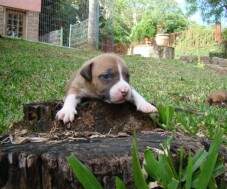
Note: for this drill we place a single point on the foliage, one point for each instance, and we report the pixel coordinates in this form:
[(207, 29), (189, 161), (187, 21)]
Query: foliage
[(119, 183), (195, 39), (136, 19), (211, 10), (175, 22), (88, 180), (116, 29), (83, 174), (224, 34), (138, 176), (121, 32), (168, 17), (200, 171), (166, 114), (145, 28)]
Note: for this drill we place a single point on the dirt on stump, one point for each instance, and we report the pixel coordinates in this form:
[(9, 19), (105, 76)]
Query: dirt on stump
[(94, 118)]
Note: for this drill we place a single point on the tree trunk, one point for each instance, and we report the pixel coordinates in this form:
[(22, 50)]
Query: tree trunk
[(44, 165), (93, 24)]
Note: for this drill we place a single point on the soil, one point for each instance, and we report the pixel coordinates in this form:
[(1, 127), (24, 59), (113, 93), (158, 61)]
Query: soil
[(94, 118)]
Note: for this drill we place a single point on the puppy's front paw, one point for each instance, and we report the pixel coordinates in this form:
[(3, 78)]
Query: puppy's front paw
[(146, 107), (66, 114)]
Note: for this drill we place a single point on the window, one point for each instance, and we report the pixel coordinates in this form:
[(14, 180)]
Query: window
[(14, 23)]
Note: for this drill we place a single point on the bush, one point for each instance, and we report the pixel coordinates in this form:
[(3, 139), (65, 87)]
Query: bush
[(121, 32), (224, 34), (196, 40), (175, 23), (145, 28)]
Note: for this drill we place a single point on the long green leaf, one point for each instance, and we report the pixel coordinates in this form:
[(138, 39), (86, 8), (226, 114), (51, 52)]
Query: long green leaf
[(219, 169), (188, 173), (169, 158), (139, 180), (180, 175), (119, 183), (166, 172), (151, 164), (165, 115), (212, 183), (208, 166), (173, 184), (83, 174), (198, 160)]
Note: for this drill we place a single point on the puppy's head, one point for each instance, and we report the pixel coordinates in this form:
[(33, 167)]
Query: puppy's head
[(108, 77)]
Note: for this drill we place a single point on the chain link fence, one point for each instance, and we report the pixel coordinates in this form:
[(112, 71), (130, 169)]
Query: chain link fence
[(58, 22), (63, 22), (78, 34)]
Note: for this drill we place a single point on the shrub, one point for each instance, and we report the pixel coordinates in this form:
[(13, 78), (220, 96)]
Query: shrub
[(175, 22), (224, 34), (145, 28), (196, 40), (121, 32)]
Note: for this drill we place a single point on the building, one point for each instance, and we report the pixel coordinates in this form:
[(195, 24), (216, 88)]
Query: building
[(20, 18)]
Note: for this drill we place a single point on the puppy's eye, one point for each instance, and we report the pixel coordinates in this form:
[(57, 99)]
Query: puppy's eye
[(126, 75), (107, 76)]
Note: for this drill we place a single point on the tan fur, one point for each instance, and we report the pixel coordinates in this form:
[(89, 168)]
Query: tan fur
[(217, 97), (101, 63)]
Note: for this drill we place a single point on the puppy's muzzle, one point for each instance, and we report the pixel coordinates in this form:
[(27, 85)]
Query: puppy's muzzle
[(124, 92)]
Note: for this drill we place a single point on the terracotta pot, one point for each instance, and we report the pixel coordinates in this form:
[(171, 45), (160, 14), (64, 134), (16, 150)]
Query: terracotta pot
[(162, 39)]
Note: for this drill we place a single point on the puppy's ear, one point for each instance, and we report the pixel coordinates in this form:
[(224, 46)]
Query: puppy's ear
[(86, 72)]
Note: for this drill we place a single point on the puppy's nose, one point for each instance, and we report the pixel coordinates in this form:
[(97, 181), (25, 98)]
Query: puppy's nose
[(124, 92)]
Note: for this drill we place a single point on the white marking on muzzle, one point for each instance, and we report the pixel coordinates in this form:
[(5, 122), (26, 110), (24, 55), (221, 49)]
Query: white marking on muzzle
[(120, 87)]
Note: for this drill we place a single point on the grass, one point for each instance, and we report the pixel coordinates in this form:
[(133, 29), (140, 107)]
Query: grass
[(36, 72)]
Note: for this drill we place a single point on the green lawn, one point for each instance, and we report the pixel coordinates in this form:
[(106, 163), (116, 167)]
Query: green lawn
[(36, 72)]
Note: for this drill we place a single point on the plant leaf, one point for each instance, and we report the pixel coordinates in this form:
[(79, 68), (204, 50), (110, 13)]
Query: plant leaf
[(218, 170), (180, 175), (173, 184), (198, 159), (188, 173), (151, 164), (212, 183), (139, 180), (208, 166), (119, 183), (83, 174)]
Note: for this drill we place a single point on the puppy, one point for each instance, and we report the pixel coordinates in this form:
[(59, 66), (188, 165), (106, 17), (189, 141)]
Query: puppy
[(104, 77)]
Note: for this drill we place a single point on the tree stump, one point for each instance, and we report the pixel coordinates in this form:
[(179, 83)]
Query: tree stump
[(94, 137)]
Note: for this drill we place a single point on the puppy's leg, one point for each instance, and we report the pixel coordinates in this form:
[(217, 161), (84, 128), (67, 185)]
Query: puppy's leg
[(69, 108), (141, 104)]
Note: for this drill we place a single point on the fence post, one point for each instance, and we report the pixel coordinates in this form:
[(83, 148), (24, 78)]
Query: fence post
[(70, 34), (93, 24), (61, 38)]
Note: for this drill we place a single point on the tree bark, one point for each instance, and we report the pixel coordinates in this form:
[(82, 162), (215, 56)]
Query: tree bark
[(44, 166)]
